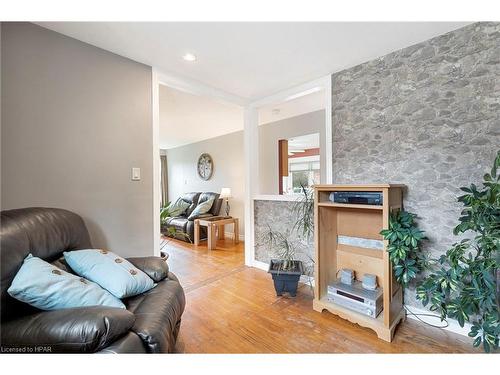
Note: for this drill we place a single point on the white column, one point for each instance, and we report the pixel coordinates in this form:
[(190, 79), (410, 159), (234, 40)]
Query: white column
[(329, 130), (155, 95), (251, 141)]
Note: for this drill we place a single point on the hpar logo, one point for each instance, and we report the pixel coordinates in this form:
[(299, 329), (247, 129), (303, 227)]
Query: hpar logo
[(43, 349)]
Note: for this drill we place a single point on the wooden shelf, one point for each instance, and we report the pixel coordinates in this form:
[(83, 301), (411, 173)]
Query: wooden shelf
[(346, 205), (374, 253), (333, 220), (376, 324)]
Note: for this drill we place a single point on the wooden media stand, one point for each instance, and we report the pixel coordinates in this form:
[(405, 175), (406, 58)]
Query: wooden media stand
[(359, 221)]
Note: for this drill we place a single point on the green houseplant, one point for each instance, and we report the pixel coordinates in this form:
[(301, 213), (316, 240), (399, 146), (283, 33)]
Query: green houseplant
[(463, 284), (170, 232), (404, 248)]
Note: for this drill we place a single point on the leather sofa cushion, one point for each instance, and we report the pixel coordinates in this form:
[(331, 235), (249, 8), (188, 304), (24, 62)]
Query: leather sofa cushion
[(155, 267), (157, 314), (179, 223), (82, 329), (128, 344)]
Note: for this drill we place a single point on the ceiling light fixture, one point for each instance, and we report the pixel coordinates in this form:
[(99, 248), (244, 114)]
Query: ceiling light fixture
[(189, 57)]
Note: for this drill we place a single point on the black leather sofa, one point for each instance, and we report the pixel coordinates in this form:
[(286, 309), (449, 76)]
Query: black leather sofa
[(183, 225), (150, 324)]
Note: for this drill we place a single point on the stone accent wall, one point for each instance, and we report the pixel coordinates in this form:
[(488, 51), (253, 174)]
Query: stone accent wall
[(427, 116), (280, 217)]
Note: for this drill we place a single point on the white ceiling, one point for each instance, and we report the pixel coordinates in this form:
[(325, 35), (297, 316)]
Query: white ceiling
[(252, 60), (303, 142), (186, 118), (291, 108)]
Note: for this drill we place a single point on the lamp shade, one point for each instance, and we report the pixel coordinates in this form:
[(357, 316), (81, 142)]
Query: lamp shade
[(225, 193)]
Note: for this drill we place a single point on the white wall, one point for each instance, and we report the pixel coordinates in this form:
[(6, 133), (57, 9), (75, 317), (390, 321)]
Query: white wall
[(228, 155), (269, 134), (75, 120)]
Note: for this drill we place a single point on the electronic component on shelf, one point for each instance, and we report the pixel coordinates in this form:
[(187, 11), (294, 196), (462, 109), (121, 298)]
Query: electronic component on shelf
[(346, 276), (369, 281), (357, 197), (354, 297)]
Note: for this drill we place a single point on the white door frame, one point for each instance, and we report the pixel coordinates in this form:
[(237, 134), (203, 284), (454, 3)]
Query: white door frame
[(252, 150), (188, 86), (251, 140)]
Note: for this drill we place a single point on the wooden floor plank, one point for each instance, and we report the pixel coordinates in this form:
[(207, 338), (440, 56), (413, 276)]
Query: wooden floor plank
[(231, 308)]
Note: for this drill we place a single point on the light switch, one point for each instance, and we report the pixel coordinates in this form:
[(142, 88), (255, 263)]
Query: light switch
[(136, 174)]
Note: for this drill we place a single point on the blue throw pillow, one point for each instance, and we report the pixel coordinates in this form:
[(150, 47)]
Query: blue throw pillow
[(202, 208), (115, 274), (47, 287), (177, 208)]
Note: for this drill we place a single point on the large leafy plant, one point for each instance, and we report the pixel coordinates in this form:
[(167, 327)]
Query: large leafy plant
[(170, 232), (404, 247), (303, 211), (464, 281)]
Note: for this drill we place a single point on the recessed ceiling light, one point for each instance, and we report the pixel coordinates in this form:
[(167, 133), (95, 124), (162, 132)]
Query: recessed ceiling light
[(276, 111), (189, 57)]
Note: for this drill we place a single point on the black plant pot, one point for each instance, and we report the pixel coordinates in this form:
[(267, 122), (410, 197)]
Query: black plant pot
[(285, 281)]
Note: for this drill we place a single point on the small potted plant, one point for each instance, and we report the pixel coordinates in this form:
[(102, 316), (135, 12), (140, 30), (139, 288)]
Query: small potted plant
[(285, 269)]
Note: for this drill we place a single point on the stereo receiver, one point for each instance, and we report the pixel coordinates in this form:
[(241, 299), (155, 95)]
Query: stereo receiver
[(356, 298)]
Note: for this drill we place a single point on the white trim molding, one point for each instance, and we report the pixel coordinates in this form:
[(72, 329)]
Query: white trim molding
[(194, 87), (251, 134), (453, 325), (155, 103), (251, 142)]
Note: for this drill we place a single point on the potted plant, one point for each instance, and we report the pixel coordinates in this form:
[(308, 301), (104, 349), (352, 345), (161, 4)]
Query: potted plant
[(285, 269)]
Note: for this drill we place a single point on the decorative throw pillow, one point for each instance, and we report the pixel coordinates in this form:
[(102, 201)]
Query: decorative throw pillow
[(47, 287), (115, 274), (178, 207), (202, 208)]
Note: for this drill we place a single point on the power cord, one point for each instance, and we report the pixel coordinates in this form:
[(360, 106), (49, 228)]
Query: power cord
[(427, 315)]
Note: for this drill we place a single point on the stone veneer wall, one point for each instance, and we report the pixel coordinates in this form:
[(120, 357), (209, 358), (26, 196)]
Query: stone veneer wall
[(280, 217), (427, 116)]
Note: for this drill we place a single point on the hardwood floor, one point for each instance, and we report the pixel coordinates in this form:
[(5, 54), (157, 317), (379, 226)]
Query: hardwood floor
[(231, 308)]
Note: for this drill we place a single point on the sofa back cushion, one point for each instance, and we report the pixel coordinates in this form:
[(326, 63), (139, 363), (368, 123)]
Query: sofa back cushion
[(203, 207), (191, 198), (217, 202), (178, 207), (44, 232)]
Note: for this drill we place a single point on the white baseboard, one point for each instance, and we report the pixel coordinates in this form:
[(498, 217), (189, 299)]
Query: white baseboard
[(453, 325), (231, 234)]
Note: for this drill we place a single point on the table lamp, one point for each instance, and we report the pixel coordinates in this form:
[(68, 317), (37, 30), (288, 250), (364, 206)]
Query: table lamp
[(225, 193)]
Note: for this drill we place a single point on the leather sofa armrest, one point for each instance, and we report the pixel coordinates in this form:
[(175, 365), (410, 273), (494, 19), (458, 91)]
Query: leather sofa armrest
[(75, 330), (201, 216), (154, 267)]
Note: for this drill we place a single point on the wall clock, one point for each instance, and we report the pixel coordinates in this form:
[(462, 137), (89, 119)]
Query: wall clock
[(205, 166)]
